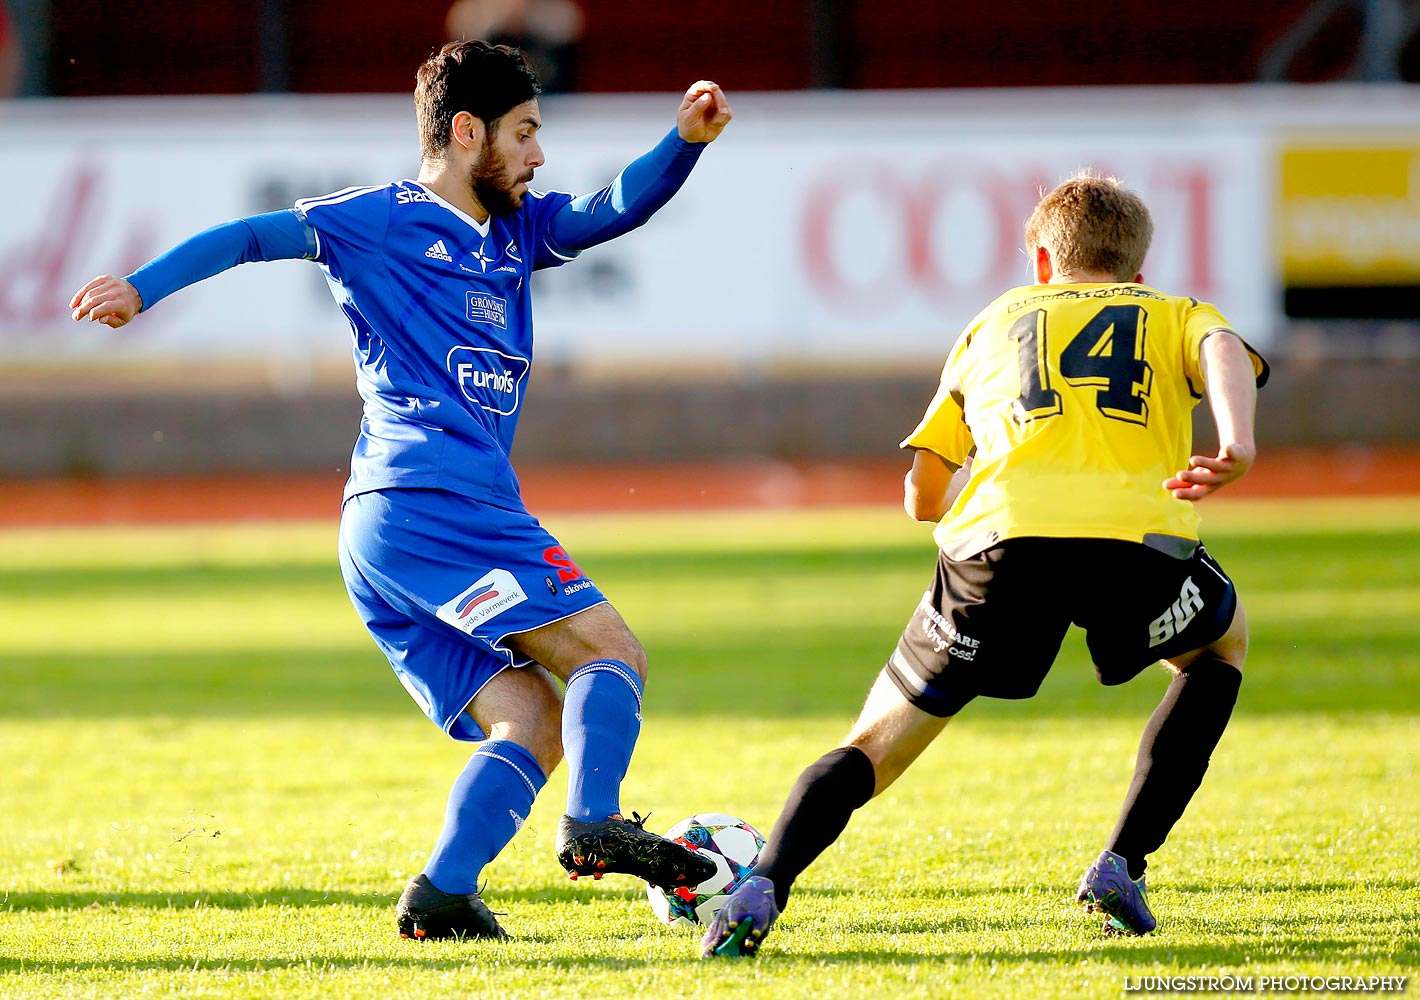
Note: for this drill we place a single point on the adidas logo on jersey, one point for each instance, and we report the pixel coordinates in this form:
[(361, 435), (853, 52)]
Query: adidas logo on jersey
[(439, 252)]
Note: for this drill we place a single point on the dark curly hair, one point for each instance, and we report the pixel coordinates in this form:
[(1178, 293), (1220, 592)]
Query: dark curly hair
[(485, 80)]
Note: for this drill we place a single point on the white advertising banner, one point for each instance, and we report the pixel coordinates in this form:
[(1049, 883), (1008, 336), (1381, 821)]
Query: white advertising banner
[(860, 229)]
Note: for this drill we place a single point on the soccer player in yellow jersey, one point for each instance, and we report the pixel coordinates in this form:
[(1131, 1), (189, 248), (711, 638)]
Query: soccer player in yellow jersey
[(1056, 458)]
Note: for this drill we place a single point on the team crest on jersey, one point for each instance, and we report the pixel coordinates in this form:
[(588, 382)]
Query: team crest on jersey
[(490, 378), (494, 593), (482, 257)]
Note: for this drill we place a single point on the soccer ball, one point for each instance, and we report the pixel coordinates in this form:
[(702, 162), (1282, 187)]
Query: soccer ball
[(732, 844)]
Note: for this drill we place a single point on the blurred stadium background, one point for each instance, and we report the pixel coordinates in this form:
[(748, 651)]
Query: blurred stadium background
[(785, 317)]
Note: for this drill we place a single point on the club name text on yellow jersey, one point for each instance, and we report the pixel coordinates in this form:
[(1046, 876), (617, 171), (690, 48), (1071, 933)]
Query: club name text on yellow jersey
[(1076, 401)]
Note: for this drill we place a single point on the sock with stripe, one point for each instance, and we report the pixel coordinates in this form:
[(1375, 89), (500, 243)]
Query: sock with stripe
[(487, 806), (601, 719)]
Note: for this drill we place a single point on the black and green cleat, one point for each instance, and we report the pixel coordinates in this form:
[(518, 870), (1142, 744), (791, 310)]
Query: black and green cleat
[(625, 846)]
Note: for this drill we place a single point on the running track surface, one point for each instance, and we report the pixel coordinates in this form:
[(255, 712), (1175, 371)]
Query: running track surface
[(585, 489)]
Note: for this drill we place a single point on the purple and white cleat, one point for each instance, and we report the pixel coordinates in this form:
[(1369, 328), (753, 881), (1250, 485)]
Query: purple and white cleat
[(1108, 888), (742, 922)]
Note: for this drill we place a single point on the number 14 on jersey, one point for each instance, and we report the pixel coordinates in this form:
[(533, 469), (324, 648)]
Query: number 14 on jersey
[(1107, 352)]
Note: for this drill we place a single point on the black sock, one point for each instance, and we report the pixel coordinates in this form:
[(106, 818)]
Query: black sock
[(1173, 757), (816, 812)]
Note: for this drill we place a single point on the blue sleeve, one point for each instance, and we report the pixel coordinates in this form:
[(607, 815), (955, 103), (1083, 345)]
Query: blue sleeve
[(646, 184), (274, 236)]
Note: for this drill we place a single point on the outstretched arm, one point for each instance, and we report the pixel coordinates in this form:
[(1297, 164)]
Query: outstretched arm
[(274, 236), (649, 181), (1232, 396)]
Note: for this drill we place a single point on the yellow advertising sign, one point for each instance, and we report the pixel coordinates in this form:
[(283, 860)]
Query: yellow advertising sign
[(1350, 215)]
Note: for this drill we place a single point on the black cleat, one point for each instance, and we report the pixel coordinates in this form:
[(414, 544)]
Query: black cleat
[(617, 844), (426, 913)]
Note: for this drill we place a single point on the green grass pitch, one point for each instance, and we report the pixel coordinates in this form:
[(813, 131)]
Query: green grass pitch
[(212, 785)]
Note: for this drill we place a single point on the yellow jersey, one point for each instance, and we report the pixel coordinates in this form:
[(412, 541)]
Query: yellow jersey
[(1076, 401)]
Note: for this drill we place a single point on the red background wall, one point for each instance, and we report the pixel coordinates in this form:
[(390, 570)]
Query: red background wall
[(175, 46)]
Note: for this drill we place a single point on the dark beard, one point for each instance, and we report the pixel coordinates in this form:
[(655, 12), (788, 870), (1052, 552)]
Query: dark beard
[(488, 180)]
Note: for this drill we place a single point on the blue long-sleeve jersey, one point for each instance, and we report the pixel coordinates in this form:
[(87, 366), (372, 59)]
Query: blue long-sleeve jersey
[(438, 304)]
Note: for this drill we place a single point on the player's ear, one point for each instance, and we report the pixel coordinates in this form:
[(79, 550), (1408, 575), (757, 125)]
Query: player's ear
[(1139, 278), (1044, 268), (466, 131)]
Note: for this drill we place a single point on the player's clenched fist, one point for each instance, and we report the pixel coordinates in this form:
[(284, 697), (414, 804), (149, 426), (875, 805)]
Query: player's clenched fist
[(704, 113), (107, 300)]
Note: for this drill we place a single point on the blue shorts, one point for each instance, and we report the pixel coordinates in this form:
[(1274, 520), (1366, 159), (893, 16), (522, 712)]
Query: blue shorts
[(441, 579)]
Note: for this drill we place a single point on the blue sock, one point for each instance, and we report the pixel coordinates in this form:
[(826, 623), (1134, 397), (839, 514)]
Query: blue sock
[(601, 718), (487, 806)]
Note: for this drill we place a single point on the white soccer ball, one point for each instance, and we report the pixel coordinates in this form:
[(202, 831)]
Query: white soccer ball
[(732, 844)]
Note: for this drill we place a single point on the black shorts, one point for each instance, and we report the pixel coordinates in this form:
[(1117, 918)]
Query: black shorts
[(992, 624)]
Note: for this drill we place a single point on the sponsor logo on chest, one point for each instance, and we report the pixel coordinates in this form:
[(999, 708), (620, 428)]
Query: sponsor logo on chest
[(490, 378), (484, 307)]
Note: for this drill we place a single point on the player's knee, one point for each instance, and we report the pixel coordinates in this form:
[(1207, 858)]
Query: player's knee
[(624, 649), (633, 654), (1231, 651), (613, 640), (1230, 648)]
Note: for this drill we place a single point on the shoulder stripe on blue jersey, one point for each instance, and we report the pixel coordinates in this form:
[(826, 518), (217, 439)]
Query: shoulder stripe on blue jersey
[(344, 194)]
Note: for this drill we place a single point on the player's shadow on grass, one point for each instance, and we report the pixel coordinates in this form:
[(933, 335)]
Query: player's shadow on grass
[(1289, 888), (1133, 954), (499, 899), (419, 957), (158, 900), (622, 891)]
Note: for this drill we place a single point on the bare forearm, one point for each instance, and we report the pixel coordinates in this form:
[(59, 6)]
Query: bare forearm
[(1232, 396), (931, 486), (1232, 389)]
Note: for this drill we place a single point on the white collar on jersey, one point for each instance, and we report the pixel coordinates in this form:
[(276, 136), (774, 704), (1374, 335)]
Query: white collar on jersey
[(482, 228)]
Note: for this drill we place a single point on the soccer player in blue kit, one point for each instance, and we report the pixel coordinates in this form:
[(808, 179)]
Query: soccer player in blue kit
[(454, 579)]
